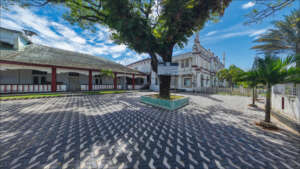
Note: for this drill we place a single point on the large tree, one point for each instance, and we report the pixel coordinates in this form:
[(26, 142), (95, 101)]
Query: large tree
[(232, 75), (146, 26), (283, 38)]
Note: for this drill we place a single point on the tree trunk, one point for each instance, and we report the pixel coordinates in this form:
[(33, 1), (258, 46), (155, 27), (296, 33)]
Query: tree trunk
[(164, 86), (297, 54), (231, 88), (253, 95), (268, 104)]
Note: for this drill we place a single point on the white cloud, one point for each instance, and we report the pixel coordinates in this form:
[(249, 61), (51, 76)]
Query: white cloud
[(68, 33), (235, 34), (132, 57), (10, 24), (248, 5), (211, 33), (25, 18), (115, 55), (118, 48), (258, 32), (60, 34)]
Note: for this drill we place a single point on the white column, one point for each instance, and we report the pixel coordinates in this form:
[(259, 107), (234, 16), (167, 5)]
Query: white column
[(179, 81)]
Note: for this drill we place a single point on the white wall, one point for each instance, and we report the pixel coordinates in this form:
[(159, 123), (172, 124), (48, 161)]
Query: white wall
[(291, 103), (143, 66)]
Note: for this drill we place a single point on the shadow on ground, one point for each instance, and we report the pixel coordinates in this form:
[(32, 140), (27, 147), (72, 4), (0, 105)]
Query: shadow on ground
[(118, 131)]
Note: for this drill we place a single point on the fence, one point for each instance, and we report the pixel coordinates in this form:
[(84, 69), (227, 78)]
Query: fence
[(108, 86), (286, 100), (61, 88), (25, 88), (229, 91)]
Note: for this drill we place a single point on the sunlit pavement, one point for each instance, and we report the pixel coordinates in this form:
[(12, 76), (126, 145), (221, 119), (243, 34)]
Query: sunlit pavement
[(117, 131)]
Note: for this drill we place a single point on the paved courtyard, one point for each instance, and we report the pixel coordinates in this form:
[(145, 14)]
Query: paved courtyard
[(117, 131)]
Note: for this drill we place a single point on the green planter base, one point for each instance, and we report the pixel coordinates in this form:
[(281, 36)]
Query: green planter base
[(165, 104)]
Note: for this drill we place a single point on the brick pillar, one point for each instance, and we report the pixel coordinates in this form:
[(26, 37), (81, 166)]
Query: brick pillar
[(90, 80), (53, 79), (133, 82), (115, 80)]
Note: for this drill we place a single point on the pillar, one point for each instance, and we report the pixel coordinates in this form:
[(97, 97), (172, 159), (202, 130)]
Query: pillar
[(133, 81), (115, 80), (90, 80), (53, 79)]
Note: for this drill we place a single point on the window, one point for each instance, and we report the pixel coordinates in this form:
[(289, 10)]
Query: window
[(35, 80), (182, 64), (155, 81), (186, 63), (97, 81), (73, 74), (202, 80), (37, 72), (187, 82), (6, 45), (43, 80)]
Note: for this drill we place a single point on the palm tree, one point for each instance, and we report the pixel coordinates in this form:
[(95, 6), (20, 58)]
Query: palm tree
[(107, 73), (284, 38), (252, 80), (273, 70)]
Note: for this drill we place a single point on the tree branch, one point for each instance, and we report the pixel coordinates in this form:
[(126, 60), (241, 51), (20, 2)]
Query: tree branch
[(268, 8)]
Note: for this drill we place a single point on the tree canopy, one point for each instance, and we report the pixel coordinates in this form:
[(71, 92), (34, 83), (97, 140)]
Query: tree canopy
[(231, 75), (146, 26), (283, 38)]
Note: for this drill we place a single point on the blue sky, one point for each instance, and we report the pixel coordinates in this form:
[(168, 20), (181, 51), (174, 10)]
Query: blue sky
[(229, 35)]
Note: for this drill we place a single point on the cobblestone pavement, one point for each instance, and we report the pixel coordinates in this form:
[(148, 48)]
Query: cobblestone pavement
[(117, 131)]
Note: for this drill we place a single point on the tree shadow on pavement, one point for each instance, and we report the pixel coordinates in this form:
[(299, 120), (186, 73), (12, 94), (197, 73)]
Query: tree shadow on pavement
[(119, 131)]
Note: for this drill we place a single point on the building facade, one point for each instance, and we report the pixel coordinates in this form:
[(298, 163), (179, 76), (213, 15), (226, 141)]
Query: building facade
[(196, 70), (28, 67), (143, 66)]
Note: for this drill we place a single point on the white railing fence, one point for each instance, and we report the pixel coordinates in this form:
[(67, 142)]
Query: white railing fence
[(99, 87), (61, 88), (36, 88), (229, 91), (138, 86), (24, 88)]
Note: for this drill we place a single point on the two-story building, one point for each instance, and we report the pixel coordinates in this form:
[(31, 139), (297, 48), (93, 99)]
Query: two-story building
[(196, 70), (144, 66)]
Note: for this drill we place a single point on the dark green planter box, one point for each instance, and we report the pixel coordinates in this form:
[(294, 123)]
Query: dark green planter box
[(165, 104)]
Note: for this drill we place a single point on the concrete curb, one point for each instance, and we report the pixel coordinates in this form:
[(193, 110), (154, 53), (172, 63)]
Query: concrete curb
[(63, 95)]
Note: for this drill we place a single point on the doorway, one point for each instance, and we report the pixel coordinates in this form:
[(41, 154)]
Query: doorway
[(74, 83)]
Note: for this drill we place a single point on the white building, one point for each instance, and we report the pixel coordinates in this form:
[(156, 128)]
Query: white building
[(196, 70), (144, 66)]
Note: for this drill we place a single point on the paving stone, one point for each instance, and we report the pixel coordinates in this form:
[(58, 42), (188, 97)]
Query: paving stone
[(117, 131)]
